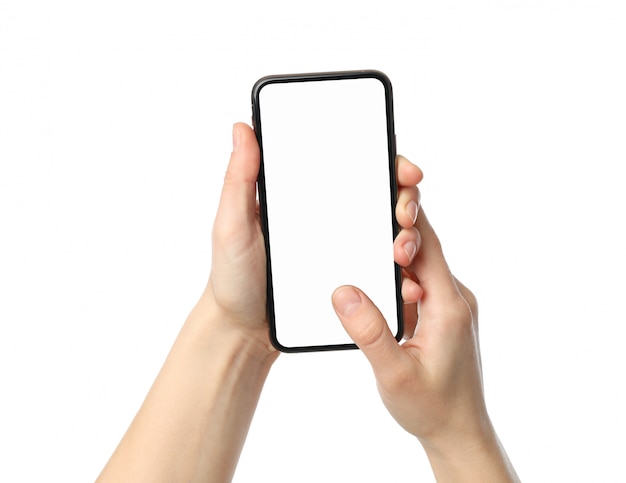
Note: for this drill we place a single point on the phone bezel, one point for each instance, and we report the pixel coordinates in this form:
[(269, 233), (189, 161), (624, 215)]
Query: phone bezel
[(391, 148)]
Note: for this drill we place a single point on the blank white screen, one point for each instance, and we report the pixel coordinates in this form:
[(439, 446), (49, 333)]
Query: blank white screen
[(326, 162)]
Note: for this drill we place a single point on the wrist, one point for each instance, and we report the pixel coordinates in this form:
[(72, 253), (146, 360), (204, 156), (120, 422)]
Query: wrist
[(470, 456), (212, 329), (194, 420)]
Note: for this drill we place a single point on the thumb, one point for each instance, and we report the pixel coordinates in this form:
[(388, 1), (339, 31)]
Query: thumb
[(367, 327), (237, 205)]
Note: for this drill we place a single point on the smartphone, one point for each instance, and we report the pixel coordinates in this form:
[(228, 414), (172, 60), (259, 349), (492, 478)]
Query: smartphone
[(327, 193)]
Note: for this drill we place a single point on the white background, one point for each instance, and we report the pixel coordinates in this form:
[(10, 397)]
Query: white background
[(115, 130)]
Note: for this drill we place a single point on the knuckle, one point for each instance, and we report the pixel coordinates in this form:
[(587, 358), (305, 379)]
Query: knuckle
[(457, 320), (469, 297), (370, 335)]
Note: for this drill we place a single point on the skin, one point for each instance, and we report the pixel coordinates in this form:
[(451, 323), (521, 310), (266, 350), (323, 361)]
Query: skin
[(195, 418)]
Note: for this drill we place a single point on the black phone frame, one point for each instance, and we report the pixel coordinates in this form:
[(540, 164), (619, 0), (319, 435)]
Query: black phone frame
[(391, 147)]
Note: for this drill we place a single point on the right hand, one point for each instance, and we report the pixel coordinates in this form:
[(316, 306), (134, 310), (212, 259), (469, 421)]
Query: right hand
[(431, 384)]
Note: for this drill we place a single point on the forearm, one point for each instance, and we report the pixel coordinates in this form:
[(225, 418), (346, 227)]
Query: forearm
[(480, 459), (194, 421)]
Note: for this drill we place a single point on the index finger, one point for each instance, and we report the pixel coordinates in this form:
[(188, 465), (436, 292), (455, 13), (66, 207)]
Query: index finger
[(431, 268)]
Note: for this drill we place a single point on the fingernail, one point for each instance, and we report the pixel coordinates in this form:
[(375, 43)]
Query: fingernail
[(410, 248), (236, 137), (347, 301), (411, 209)]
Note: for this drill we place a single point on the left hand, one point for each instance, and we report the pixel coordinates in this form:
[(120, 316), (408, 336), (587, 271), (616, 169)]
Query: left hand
[(237, 284)]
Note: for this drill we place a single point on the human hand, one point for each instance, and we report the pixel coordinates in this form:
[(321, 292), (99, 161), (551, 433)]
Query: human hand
[(237, 284), (193, 422), (432, 383)]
